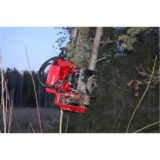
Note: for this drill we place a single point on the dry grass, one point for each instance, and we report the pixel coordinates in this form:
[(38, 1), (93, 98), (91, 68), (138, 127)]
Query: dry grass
[(6, 102), (66, 129), (28, 122), (21, 120), (150, 125), (137, 106), (60, 122), (34, 86)]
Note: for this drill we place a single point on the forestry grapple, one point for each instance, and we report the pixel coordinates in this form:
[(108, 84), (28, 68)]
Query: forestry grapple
[(67, 81)]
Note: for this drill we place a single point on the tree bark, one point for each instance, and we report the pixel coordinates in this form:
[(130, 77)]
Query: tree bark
[(93, 60), (92, 64), (84, 83), (74, 34)]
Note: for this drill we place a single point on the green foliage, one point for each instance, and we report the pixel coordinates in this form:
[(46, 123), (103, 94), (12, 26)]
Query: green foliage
[(80, 51), (130, 37), (124, 49)]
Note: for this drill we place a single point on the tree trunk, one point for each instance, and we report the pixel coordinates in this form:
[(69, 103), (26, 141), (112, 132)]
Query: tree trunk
[(73, 34), (92, 66), (83, 83), (93, 60)]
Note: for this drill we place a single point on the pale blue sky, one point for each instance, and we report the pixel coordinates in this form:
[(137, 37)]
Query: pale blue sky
[(39, 41)]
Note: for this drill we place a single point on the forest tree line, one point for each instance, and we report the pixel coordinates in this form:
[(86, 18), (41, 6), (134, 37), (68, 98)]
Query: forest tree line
[(20, 87)]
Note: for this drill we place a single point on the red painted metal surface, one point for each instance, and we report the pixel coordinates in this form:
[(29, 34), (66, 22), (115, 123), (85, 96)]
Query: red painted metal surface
[(73, 108), (59, 72)]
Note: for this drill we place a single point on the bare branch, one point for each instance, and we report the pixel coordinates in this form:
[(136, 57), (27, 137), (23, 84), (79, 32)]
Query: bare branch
[(101, 59)]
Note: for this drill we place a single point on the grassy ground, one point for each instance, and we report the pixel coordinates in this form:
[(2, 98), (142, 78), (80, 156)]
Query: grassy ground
[(27, 117), (114, 122)]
